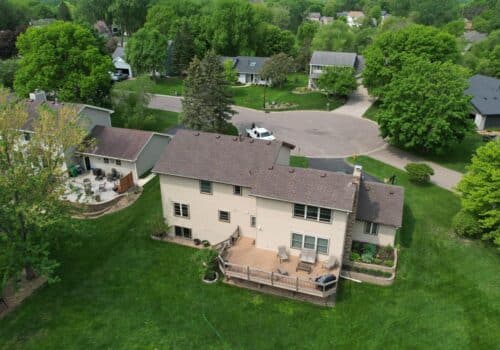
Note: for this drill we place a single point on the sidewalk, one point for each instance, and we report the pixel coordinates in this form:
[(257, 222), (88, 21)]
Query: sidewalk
[(442, 177)]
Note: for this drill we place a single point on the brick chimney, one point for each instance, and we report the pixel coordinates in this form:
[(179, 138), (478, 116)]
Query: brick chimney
[(356, 181)]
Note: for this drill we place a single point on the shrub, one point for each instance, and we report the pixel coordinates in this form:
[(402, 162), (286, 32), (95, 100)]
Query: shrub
[(367, 258), (389, 263), (207, 261), (419, 172), (356, 246), (355, 256), (369, 248), (377, 261), (466, 225), (159, 227), (386, 252)]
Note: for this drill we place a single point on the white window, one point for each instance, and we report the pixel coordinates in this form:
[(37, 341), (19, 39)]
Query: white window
[(253, 221), (224, 216), (106, 160), (205, 187), (312, 213), (183, 232), (181, 210), (118, 162), (237, 190), (371, 228), (299, 241)]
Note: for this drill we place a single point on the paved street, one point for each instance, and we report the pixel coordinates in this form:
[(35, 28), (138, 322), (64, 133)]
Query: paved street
[(340, 133)]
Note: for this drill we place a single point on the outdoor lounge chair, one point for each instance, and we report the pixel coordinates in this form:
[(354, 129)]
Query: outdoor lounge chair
[(282, 254), (308, 256), (330, 263)]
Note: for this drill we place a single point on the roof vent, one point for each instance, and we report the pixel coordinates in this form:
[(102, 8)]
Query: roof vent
[(268, 142), (291, 170), (391, 192), (235, 139), (217, 137), (271, 167), (323, 175), (196, 134), (252, 140)]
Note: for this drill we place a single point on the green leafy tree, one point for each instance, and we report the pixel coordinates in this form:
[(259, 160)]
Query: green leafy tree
[(161, 17), (424, 107), (276, 69), (207, 102), (338, 81), (63, 12), (183, 49), (230, 72), (273, 40), (8, 69), (32, 181), (64, 58), (480, 189), (131, 109), (306, 32), (385, 56), (146, 51), (91, 11), (335, 36), (484, 57), (455, 28), (129, 14)]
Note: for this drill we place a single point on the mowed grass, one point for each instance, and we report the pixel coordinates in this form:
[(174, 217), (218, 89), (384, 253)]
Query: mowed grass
[(245, 96), (121, 290), (299, 161), (163, 120), (456, 158)]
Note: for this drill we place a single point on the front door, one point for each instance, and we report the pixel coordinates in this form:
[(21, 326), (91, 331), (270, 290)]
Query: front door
[(87, 163)]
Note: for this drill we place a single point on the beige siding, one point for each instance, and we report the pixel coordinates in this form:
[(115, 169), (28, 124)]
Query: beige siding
[(151, 153), (275, 223), (124, 168), (203, 208), (386, 234)]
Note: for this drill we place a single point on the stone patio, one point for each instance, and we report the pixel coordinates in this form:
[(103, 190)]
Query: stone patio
[(75, 190)]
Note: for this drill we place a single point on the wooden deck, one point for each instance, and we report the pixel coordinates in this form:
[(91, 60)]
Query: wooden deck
[(246, 262)]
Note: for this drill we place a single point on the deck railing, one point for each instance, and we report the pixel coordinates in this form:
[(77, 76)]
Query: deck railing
[(222, 247), (274, 279)]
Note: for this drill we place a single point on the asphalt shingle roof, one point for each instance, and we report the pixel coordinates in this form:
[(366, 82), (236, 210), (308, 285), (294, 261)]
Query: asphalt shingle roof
[(380, 203), (247, 64), (118, 143), (485, 92), (330, 58)]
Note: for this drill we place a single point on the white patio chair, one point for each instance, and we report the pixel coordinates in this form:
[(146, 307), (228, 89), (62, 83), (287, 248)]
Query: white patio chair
[(282, 254)]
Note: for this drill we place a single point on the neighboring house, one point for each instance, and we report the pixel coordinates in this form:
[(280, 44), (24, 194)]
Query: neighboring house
[(213, 185), (125, 150), (485, 92), (316, 17), (120, 63), (473, 37), (353, 18), (42, 22), (248, 69), (322, 59)]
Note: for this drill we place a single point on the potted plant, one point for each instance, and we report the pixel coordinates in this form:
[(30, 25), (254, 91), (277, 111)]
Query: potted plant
[(207, 262), (197, 241), (205, 243)]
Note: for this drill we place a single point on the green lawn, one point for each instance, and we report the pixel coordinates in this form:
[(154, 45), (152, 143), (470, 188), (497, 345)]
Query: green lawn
[(245, 96), (299, 161), (164, 119), (121, 290), (457, 158)]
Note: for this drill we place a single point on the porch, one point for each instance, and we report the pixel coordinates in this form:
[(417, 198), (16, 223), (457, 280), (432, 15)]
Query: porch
[(241, 260), (86, 188)]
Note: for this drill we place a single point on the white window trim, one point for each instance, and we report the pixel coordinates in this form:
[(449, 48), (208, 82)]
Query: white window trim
[(211, 187), (370, 232), (332, 213), (228, 215), (253, 221), (315, 242)]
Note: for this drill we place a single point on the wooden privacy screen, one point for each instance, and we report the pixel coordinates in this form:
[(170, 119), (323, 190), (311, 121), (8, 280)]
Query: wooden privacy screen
[(125, 183)]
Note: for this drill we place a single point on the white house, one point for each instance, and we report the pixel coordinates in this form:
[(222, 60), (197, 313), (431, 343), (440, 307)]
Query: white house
[(215, 185), (248, 69), (353, 18), (485, 92), (120, 63)]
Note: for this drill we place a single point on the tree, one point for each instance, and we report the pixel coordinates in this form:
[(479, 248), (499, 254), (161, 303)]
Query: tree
[(131, 109), (207, 103), (63, 12), (480, 189), (64, 58), (385, 56), (7, 43), (276, 69), (230, 72), (306, 32), (335, 36), (91, 11), (129, 14), (8, 69), (183, 49), (484, 57), (455, 28), (146, 51), (424, 107), (338, 81), (273, 40), (32, 181), (161, 17)]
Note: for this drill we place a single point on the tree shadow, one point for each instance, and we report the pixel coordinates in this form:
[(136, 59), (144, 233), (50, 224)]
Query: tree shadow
[(405, 233)]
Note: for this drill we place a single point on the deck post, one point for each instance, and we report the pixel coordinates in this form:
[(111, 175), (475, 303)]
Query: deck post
[(248, 273), (297, 284), (272, 278)]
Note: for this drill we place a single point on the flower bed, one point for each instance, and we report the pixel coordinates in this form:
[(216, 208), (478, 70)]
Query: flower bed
[(372, 254)]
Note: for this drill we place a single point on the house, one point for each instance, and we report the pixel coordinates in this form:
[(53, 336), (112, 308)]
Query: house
[(125, 150), (322, 59), (485, 92), (120, 63), (248, 69), (214, 187), (314, 16), (353, 18)]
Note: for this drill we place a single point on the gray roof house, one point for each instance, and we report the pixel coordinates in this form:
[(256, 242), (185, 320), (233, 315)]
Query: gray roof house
[(120, 62), (248, 68), (485, 92), (224, 188), (322, 59)]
